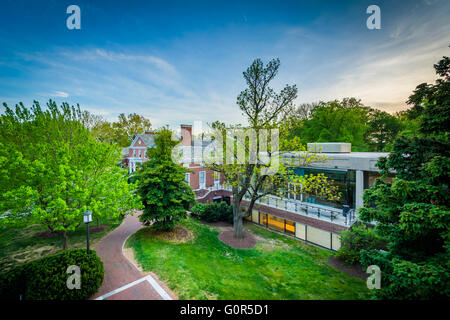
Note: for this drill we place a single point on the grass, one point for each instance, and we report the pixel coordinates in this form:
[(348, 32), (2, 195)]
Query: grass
[(21, 244), (277, 268)]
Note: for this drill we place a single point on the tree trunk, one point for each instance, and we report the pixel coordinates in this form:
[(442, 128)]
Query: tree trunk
[(237, 219), (238, 226), (64, 240)]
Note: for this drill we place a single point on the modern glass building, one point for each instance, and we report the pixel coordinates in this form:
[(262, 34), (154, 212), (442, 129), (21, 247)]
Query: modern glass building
[(345, 180)]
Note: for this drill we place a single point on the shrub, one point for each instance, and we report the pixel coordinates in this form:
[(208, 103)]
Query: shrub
[(213, 212), (358, 237), (46, 278), (402, 279), (198, 209)]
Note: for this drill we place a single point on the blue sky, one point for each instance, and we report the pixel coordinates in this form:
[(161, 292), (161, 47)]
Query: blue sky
[(180, 61)]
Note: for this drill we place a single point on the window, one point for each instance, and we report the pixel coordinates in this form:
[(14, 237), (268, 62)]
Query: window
[(263, 219), (275, 223), (216, 177), (290, 227), (145, 154), (187, 177), (140, 154), (343, 180), (202, 179), (135, 153)]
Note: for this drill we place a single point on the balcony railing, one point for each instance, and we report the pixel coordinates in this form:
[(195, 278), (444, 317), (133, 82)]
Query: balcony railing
[(307, 209), (317, 211)]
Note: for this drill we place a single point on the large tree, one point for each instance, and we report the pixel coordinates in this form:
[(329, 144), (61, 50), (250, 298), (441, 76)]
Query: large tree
[(382, 131), (338, 121), (53, 170), (165, 194), (412, 211), (250, 167), (121, 132)]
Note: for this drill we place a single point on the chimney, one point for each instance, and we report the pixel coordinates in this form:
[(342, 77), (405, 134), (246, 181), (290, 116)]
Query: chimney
[(149, 132), (186, 134)]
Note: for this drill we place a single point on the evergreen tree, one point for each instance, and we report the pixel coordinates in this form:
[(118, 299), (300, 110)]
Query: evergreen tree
[(162, 186), (412, 211)]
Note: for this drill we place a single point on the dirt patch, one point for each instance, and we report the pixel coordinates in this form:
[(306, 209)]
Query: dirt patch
[(355, 270), (47, 234), (247, 242), (222, 225), (25, 256), (178, 234)]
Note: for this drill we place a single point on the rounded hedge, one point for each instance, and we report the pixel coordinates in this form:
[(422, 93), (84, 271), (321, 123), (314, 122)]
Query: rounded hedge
[(213, 211), (46, 278), (358, 237)]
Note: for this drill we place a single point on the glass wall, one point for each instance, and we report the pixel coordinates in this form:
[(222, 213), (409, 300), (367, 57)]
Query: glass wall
[(310, 234), (344, 180), (276, 224), (290, 227)]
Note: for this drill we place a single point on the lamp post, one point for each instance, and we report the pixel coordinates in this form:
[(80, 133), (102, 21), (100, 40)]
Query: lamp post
[(87, 218)]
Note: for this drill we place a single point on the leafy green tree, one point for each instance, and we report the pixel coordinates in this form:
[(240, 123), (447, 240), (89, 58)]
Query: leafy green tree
[(165, 194), (409, 127), (251, 171), (383, 129), (338, 121), (412, 211), (121, 132), (128, 126), (53, 170)]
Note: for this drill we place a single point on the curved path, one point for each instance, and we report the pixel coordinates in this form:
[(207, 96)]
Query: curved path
[(123, 280)]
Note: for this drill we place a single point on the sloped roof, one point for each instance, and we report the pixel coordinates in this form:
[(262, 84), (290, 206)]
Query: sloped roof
[(148, 139)]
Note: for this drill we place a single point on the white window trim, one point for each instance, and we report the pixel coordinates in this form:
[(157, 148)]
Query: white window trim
[(202, 185)]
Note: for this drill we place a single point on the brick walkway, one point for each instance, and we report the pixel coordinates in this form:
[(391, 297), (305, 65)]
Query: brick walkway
[(119, 271)]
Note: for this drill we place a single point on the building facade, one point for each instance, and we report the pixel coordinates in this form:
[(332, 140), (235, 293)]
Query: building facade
[(199, 177), (308, 217), (300, 215)]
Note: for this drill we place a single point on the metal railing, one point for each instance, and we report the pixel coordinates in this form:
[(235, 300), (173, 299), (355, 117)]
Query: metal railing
[(317, 211)]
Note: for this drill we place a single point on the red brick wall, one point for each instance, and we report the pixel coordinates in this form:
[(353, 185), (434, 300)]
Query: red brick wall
[(195, 176)]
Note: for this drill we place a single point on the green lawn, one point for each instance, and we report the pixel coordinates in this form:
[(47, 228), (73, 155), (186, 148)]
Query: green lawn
[(20, 244), (277, 268)]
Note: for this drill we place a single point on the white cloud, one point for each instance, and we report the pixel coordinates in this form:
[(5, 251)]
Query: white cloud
[(60, 94)]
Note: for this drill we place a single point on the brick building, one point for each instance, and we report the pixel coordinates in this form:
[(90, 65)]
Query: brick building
[(199, 176), (308, 217), (303, 216)]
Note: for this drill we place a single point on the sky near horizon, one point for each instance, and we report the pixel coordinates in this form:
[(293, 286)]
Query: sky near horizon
[(181, 61)]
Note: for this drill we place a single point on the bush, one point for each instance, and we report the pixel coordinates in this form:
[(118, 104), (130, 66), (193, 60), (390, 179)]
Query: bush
[(402, 279), (46, 278), (198, 209), (358, 237), (213, 212)]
